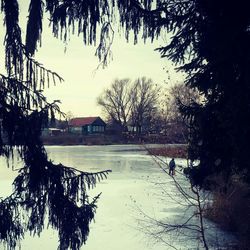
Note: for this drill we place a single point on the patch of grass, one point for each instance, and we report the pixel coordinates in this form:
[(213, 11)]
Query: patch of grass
[(172, 151), (231, 208)]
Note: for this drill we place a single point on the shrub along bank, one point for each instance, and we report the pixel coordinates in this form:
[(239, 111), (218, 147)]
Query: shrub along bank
[(230, 207)]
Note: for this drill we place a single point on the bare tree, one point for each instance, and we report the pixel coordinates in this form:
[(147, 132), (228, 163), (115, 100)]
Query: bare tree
[(181, 94), (174, 96), (69, 115), (116, 103), (144, 98), (130, 102), (173, 122)]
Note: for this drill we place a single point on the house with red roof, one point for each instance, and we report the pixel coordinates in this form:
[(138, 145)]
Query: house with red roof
[(87, 125)]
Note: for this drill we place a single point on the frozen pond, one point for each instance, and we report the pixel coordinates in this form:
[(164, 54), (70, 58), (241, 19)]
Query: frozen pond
[(133, 190)]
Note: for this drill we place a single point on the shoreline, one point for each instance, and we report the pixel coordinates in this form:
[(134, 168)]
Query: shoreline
[(170, 150), (106, 139)]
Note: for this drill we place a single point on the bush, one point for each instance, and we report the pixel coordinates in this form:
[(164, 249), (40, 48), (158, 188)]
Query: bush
[(231, 208)]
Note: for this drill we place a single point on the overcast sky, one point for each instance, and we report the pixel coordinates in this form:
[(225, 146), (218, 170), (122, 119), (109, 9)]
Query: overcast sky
[(82, 83)]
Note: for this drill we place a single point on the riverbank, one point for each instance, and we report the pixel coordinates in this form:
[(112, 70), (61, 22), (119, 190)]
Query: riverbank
[(105, 139), (230, 208), (170, 150)]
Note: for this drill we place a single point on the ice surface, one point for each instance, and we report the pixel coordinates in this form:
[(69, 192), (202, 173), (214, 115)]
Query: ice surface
[(136, 193)]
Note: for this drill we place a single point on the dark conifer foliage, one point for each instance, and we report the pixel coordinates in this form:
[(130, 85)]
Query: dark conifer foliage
[(43, 191), (34, 25), (210, 43)]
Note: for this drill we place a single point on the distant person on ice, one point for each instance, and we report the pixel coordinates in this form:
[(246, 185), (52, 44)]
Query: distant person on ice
[(172, 167)]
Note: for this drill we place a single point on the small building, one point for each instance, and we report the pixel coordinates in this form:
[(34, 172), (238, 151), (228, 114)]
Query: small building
[(87, 125), (51, 132)]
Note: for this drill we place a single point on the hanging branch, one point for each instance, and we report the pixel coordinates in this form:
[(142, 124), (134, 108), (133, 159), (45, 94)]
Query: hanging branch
[(187, 200), (103, 51)]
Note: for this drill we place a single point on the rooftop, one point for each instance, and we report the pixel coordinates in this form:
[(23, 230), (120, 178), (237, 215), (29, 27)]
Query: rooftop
[(81, 121)]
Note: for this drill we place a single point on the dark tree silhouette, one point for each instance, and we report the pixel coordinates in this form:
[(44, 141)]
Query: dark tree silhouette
[(42, 189), (218, 67), (212, 48)]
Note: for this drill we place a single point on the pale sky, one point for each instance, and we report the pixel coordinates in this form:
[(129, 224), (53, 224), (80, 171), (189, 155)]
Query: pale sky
[(82, 84)]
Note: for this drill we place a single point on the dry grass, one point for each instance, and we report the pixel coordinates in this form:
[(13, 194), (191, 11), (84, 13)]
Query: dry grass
[(172, 151), (231, 209)]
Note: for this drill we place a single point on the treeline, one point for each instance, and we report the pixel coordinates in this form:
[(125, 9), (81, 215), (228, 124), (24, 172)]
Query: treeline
[(141, 110), (143, 107)]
